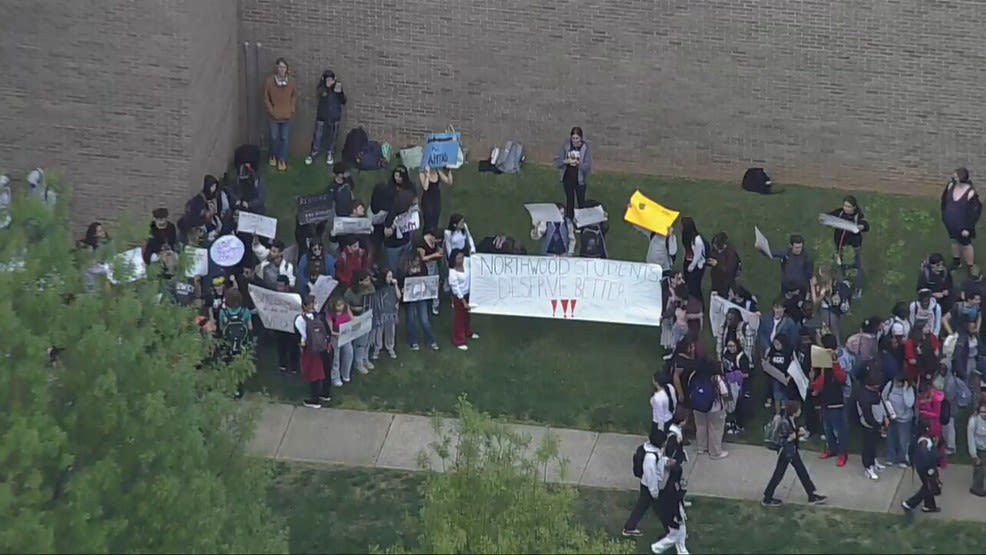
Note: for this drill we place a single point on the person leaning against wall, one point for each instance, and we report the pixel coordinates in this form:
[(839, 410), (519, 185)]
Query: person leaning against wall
[(281, 99)]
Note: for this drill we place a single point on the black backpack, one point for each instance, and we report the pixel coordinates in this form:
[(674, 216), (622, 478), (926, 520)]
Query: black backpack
[(593, 242), (318, 335), (235, 331), (356, 141), (756, 180), (371, 157), (638, 461)]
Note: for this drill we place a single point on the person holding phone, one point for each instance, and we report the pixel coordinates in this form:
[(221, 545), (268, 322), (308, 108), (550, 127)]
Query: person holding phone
[(331, 99), (575, 162)]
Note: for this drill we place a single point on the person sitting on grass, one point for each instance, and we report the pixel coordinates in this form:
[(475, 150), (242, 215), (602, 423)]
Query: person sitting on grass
[(790, 454)]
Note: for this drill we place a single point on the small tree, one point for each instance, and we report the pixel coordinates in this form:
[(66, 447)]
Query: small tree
[(493, 498), (124, 438)]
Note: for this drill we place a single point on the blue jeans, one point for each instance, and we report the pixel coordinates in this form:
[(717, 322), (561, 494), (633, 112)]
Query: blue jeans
[(342, 363), (836, 429), (394, 256), (898, 440), (279, 131), (324, 135), (417, 312)]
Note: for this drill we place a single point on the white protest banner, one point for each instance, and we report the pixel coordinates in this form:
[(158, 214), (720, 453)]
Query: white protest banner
[(592, 289), (198, 261), (761, 243), (719, 306), (357, 327), (589, 216), (323, 288), (420, 288), (132, 262), (277, 310), (408, 222), (227, 251), (544, 212), (248, 222), (800, 379), (351, 226), (838, 223)]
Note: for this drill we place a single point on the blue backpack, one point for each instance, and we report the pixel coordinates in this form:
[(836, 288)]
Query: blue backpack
[(701, 392)]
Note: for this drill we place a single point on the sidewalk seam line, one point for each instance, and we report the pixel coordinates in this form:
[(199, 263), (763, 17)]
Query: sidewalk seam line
[(589, 458), (284, 434), (390, 426)]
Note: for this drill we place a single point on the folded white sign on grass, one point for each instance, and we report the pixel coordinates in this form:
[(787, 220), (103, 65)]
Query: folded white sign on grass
[(277, 310), (719, 306), (591, 289), (357, 327)]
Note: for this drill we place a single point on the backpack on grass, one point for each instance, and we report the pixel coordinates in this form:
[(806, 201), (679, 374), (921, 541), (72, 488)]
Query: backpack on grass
[(593, 242), (356, 141), (510, 158), (371, 157), (756, 180)]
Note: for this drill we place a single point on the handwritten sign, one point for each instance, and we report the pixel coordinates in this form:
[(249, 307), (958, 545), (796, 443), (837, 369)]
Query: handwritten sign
[(592, 289), (589, 216), (323, 288), (248, 222), (131, 263), (420, 288), (800, 379), (408, 222), (277, 310), (312, 209), (352, 226), (719, 306), (197, 261), (353, 329), (544, 212), (227, 251)]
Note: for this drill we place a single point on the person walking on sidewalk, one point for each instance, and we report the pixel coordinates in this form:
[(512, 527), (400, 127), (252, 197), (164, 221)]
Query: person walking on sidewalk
[(649, 467), (281, 99), (925, 458), (789, 454), (671, 499), (331, 99)]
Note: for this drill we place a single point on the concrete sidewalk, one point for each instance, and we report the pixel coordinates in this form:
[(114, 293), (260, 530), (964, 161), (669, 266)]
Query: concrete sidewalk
[(598, 460)]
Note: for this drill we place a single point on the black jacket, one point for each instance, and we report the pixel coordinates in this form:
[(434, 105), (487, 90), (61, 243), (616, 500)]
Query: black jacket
[(844, 238), (330, 104)]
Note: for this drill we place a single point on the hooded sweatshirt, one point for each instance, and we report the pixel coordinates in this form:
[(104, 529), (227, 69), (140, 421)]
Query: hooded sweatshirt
[(901, 401)]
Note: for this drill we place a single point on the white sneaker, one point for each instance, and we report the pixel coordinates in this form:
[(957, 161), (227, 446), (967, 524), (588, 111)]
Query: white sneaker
[(879, 466), (329, 159), (463, 347), (337, 383), (308, 160), (475, 336), (871, 474)]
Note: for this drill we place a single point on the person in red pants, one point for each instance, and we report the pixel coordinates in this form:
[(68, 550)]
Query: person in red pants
[(458, 279)]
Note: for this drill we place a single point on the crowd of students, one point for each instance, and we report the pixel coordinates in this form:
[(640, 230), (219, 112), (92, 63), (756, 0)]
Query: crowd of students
[(904, 377)]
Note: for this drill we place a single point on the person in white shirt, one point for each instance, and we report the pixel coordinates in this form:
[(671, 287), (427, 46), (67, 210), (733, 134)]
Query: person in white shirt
[(651, 481), (670, 501), (662, 403), (457, 236), (458, 279), (313, 350), (276, 265)]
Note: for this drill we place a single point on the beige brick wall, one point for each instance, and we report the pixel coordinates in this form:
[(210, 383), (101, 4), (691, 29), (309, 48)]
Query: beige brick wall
[(882, 93), (104, 92)]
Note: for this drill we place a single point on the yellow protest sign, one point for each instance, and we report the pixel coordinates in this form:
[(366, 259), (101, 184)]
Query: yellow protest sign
[(649, 215)]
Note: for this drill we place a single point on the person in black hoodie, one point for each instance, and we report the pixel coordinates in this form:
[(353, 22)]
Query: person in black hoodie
[(872, 417), (162, 232), (851, 212), (925, 459), (331, 99)]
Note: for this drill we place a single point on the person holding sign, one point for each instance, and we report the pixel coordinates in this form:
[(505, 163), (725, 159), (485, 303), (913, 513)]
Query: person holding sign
[(431, 195), (458, 278), (342, 360), (797, 266), (829, 385), (358, 296), (575, 162), (385, 303), (276, 266), (314, 342), (850, 212), (416, 312)]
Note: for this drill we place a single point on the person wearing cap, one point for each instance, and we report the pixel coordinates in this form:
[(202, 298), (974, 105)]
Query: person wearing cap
[(331, 99), (828, 386), (162, 232)]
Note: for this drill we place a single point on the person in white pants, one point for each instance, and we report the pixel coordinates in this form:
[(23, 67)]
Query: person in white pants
[(671, 507)]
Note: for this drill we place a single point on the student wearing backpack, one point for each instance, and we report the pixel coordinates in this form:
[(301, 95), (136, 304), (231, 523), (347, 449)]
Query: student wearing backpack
[(557, 238), (281, 99), (789, 453), (592, 240), (663, 403), (937, 279), (235, 328), (851, 213), (575, 162), (708, 393), (736, 366), (828, 386), (924, 458), (724, 262), (649, 464), (314, 342), (331, 99), (900, 396)]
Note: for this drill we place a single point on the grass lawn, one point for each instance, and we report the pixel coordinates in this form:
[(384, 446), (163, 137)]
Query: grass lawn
[(345, 510), (591, 375)]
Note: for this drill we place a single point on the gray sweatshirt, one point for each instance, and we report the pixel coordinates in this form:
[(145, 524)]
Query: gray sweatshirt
[(901, 400), (976, 435), (661, 250)]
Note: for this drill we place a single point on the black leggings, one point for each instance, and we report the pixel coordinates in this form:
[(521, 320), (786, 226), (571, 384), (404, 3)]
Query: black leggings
[(573, 192), (693, 280)]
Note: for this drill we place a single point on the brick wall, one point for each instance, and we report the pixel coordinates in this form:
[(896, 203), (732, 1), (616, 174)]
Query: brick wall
[(877, 94), (103, 92)]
